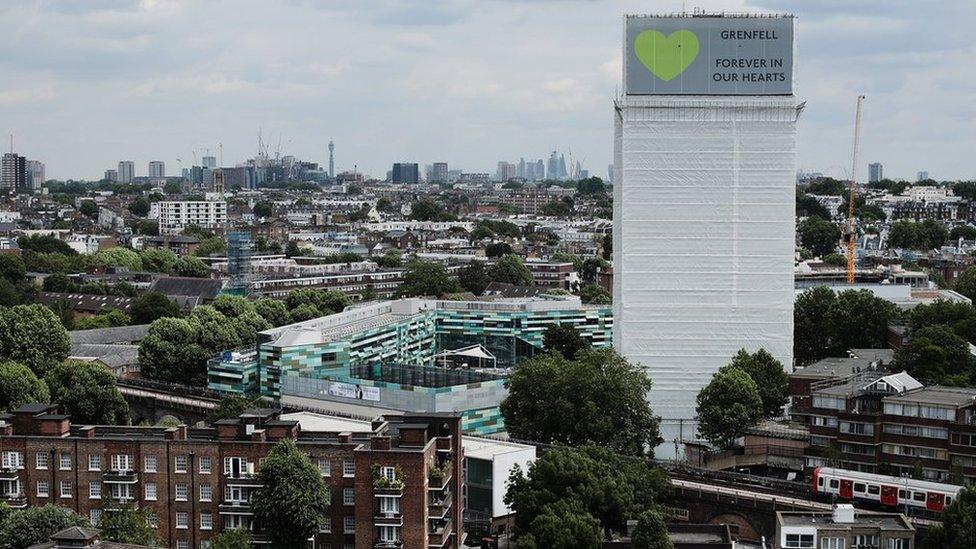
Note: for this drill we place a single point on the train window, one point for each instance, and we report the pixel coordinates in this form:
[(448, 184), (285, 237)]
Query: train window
[(948, 500), (820, 482), (859, 487), (874, 490), (902, 494), (834, 483), (918, 496)]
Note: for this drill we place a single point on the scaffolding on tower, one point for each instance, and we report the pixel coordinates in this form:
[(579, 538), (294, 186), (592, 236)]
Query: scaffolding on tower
[(239, 247)]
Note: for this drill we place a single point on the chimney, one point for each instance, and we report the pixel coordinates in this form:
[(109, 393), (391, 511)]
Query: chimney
[(843, 513)]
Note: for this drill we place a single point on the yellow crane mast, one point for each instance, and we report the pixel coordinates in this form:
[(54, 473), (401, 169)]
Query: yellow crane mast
[(850, 230)]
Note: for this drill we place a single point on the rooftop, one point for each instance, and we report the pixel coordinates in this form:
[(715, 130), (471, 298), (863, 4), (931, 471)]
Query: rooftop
[(945, 396), (889, 522), (844, 366)]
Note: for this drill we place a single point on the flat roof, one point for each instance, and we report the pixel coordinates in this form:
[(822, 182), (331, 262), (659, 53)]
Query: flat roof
[(843, 366), (945, 396), (883, 521)]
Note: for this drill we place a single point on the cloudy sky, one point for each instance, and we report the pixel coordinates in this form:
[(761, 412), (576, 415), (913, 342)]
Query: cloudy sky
[(89, 82)]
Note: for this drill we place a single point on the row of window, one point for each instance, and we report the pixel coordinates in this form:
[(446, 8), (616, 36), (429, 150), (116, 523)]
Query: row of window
[(914, 451), (918, 410), (233, 466)]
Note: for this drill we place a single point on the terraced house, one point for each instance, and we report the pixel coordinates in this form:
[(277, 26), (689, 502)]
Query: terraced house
[(399, 485)]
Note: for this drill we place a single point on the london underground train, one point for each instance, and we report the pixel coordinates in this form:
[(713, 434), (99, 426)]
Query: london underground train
[(886, 491)]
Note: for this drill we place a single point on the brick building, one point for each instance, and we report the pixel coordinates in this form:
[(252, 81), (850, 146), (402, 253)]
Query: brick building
[(399, 485)]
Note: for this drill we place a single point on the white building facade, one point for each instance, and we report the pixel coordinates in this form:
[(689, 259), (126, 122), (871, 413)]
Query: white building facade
[(174, 216), (703, 215)]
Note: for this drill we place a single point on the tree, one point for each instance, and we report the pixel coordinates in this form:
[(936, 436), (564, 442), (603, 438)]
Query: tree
[(89, 209), (808, 206), (303, 312), (835, 259), (118, 257), (292, 249), (12, 268), (426, 278), (392, 259), (564, 524), (19, 385), (958, 527), (828, 324), (172, 187), (324, 302), (190, 266), (263, 209), (819, 236), (151, 306), (293, 501), (273, 311), (57, 282), (607, 246), (590, 269), (966, 283), (474, 278), (728, 406), (936, 353), (595, 295), (232, 306), (232, 406), (237, 538), (213, 331), (139, 207), (510, 269), (770, 377), (33, 336), (158, 260), (35, 525), (966, 232), (651, 532), (87, 392), (104, 319), (497, 249), (128, 524), (169, 352), (600, 397), (45, 244), (564, 339), (213, 245), (428, 210)]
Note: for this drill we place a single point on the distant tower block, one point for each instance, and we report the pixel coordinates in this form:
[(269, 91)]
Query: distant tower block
[(218, 182), (331, 160), (239, 262)]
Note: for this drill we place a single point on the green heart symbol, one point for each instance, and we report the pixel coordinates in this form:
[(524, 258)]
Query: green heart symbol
[(666, 56)]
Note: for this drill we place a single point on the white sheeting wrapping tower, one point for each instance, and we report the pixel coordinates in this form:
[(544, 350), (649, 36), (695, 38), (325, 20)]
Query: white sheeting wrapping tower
[(703, 240)]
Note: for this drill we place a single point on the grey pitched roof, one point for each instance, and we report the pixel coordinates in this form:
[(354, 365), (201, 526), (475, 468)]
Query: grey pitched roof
[(113, 356), (121, 334), (206, 288), (87, 302)]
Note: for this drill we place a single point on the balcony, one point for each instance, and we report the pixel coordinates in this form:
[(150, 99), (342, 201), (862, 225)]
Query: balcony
[(440, 481), (388, 519), (387, 492), (120, 477), (439, 508), (381, 544), (15, 501), (235, 508), (8, 474), (439, 537), (444, 444), (244, 479)]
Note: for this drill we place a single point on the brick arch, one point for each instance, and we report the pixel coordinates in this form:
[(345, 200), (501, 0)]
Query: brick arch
[(747, 530)]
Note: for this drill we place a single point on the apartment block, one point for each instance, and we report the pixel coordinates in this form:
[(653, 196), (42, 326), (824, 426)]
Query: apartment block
[(398, 485), (174, 216), (554, 274), (844, 527)]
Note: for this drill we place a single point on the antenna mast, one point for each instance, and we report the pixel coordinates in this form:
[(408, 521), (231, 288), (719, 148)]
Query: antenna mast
[(850, 231)]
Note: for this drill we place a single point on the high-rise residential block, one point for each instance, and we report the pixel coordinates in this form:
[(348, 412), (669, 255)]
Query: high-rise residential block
[(157, 169), (174, 216), (438, 173), (35, 175), (127, 171), (406, 173), (875, 172), (704, 173), (209, 162), (13, 172)]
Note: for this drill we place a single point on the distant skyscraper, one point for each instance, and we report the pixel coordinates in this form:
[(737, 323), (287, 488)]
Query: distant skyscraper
[(405, 172), (209, 162), (552, 168), (13, 172), (521, 170), (127, 171), (331, 160), (562, 167), (111, 175), (157, 169), (35, 174), (540, 170), (438, 173), (610, 173), (505, 171), (875, 172), (922, 176)]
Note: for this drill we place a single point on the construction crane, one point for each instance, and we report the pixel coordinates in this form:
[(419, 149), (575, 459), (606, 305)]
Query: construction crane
[(850, 230)]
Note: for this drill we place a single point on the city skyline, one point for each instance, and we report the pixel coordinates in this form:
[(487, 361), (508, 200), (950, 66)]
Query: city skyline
[(144, 92)]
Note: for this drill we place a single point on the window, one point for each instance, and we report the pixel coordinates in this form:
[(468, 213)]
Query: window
[(65, 461), (153, 519), (40, 460), (150, 489), (348, 468), (799, 540), (13, 460), (823, 421), (899, 543), (182, 520), (918, 496), (206, 521), (181, 491), (390, 506), (206, 492), (349, 525), (95, 515), (325, 467), (852, 428), (42, 489), (206, 465), (873, 489), (870, 540), (389, 473), (149, 464), (182, 544), (94, 490), (348, 496), (121, 492), (94, 462), (834, 483), (859, 487), (65, 489), (122, 462), (181, 463), (389, 534)]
